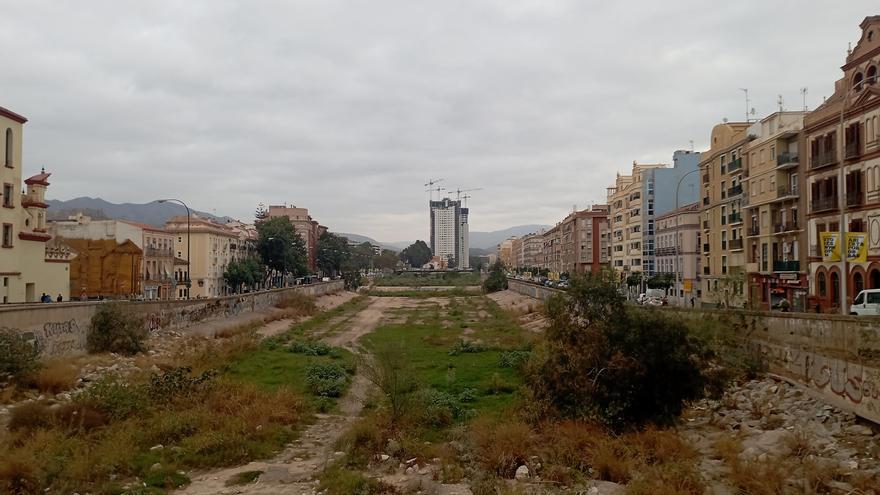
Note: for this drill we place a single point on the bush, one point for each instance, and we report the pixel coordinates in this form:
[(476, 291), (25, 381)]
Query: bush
[(440, 408), (56, 376), (177, 382), (622, 367), (116, 399), (326, 380), (115, 329), (497, 279), (513, 359), (310, 348), (466, 346), (18, 356), (501, 447)]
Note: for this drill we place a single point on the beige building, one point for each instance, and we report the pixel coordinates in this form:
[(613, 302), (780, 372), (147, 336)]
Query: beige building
[(516, 252), (505, 252), (307, 228), (723, 169), (553, 249), (773, 213), (212, 247), (678, 250), (156, 265), (628, 213), (533, 250), (30, 262), (854, 151)]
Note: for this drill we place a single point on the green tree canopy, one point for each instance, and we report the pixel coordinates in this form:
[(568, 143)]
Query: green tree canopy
[(244, 273), (333, 253), (280, 247), (416, 254), (361, 256), (387, 260), (661, 281)]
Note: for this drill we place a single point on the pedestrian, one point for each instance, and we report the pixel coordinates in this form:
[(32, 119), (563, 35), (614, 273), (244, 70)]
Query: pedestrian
[(818, 308), (59, 298), (692, 303), (45, 298), (784, 305)]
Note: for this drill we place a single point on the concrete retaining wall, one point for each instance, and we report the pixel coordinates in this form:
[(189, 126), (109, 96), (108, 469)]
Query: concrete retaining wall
[(836, 356), (60, 328)]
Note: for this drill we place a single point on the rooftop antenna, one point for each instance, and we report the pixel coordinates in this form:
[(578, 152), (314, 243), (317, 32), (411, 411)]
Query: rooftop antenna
[(748, 102), (804, 95), (430, 188), (780, 102)]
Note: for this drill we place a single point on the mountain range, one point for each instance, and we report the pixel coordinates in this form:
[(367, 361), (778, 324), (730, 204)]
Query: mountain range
[(158, 213)]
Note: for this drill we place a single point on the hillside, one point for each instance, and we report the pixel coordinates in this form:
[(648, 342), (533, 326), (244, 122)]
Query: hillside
[(149, 213)]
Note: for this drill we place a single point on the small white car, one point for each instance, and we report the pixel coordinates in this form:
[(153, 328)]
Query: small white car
[(867, 303)]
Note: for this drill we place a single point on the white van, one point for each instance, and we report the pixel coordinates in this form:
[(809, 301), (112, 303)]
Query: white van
[(866, 303)]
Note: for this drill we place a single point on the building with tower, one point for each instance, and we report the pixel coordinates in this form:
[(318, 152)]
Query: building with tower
[(449, 232)]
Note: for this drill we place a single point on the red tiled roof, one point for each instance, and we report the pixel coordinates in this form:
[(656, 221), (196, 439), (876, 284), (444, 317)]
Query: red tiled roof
[(12, 115), (40, 178)]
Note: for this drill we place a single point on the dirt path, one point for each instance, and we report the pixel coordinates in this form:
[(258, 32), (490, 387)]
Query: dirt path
[(294, 470)]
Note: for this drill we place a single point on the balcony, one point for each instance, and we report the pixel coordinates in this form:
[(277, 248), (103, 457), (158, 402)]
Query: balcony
[(735, 217), (157, 252), (705, 201), (705, 225), (823, 159), (754, 230), (855, 198), (785, 227), (736, 244), (733, 191), (786, 160), (823, 204), (786, 191), (706, 248), (735, 165), (665, 251), (853, 150), (706, 179), (786, 266)]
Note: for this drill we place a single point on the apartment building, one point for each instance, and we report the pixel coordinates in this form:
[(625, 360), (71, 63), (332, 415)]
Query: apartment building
[(505, 252), (678, 250), (31, 262), (516, 253), (584, 238), (843, 176), (119, 258), (631, 202), (211, 247), (449, 233), (723, 168), (773, 213), (552, 249), (533, 250)]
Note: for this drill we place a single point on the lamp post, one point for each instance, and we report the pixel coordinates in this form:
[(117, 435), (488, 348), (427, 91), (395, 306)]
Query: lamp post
[(677, 242), (188, 282), (841, 200)]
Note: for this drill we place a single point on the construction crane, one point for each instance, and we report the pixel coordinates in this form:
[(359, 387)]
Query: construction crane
[(431, 192), (430, 187), (459, 191), (465, 198)]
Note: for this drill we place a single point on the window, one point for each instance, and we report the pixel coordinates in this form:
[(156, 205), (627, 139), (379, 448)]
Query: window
[(860, 299), (857, 81), (7, 235), (772, 151), (8, 195), (820, 281), (872, 75), (874, 298), (858, 283), (9, 148)]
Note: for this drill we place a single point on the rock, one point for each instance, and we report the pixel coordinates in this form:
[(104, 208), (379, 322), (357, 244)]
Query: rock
[(522, 473), (409, 470), (412, 461), (850, 465), (158, 446), (859, 430), (423, 471), (156, 467), (605, 488), (384, 457)]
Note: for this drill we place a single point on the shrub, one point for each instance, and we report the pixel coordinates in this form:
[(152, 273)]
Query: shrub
[(466, 346), (115, 329), (18, 356), (114, 398), (18, 477), (243, 478), (501, 447), (513, 359), (391, 372), (440, 408), (497, 279), (326, 380), (337, 480), (310, 348), (623, 367), (177, 382), (30, 416)]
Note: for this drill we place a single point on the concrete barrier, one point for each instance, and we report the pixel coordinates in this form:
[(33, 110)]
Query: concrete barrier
[(838, 357), (59, 329)]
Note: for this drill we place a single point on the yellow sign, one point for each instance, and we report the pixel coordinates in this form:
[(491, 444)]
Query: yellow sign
[(553, 275), (856, 247), (830, 246), (688, 285)]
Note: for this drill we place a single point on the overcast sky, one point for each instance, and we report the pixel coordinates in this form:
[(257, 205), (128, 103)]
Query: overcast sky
[(348, 107)]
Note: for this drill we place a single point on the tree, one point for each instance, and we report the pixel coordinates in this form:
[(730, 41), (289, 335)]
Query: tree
[(333, 253), (634, 279), (262, 213), (362, 256), (244, 273), (497, 279), (728, 289), (661, 281), (416, 254), (387, 260), (623, 366), (281, 249)]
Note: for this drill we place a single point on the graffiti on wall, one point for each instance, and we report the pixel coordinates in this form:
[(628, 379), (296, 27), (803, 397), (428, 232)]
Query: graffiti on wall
[(55, 338), (852, 384)]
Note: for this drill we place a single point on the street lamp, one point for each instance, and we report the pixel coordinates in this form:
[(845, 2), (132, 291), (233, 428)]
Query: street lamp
[(188, 258), (677, 242)]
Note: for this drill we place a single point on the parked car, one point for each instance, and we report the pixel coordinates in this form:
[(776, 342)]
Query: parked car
[(866, 303)]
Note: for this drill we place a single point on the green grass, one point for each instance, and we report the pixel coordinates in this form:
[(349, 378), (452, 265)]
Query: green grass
[(342, 314), (413, 280), (424, 294)]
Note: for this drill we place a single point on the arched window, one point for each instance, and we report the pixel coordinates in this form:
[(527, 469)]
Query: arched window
[(871, 74), (857, 81), (820, 282), (858, 283), (835, 288), (8, 147), (875, 279)]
